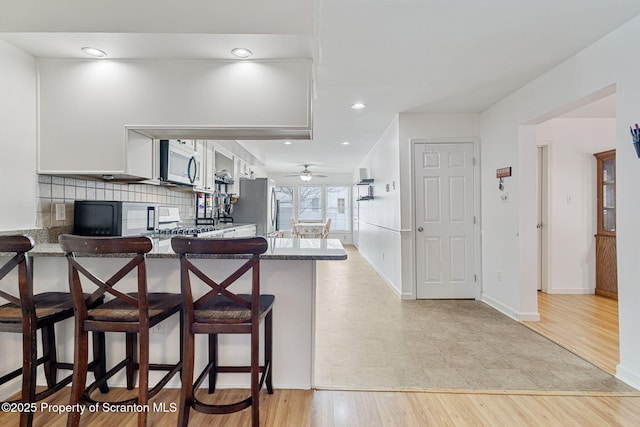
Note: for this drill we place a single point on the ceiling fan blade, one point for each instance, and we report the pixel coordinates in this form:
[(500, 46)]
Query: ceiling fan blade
[(319, 175)]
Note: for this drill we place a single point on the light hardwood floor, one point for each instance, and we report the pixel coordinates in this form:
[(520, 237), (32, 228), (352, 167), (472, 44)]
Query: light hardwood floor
[(300, 408), (587, 325)]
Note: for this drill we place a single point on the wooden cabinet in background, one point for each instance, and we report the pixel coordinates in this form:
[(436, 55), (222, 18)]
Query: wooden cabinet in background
[(606, 258)]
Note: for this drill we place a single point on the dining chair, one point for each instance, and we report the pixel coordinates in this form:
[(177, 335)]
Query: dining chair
[(223, 311), (26, 313), (327, 227), (294, 234), (132, 313)]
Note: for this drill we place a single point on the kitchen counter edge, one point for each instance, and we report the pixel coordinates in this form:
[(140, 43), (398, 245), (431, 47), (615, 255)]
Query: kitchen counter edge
[(279, 249)]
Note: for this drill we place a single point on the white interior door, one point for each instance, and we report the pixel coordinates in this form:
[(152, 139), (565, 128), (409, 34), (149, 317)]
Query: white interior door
[(543, 245), (445, 235)]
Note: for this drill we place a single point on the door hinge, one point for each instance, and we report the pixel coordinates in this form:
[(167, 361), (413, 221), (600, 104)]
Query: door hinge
[(475, 220), (475, 278), (474, 161)]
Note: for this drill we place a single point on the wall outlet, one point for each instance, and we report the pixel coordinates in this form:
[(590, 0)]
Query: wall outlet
[(61, 213), (504, 196), (499, 276)]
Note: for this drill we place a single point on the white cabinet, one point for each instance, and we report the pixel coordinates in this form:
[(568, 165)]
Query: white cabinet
[(200, 146), (242, 168), (129, 158), (209, 167)]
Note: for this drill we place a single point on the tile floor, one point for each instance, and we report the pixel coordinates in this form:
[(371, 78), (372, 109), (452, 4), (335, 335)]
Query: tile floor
[(368, 339)]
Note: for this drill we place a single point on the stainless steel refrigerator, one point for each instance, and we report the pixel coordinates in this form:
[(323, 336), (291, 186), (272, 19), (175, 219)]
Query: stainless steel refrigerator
[(257, 204)]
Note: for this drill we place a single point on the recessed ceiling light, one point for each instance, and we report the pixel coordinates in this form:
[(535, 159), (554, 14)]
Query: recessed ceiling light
[(358, 106), (346, 143), (92, 51), (287, 143), (241, 52)]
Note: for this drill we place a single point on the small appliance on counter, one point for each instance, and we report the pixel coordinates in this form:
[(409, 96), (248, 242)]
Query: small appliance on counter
[(114, 218)]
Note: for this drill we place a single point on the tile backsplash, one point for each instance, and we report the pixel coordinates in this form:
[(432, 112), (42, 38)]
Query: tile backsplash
[(55, 190)]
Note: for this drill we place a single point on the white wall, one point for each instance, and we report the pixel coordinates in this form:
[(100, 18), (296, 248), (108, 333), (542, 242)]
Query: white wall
[(379, 235), (572, 198), (509, 232), (17, 139)]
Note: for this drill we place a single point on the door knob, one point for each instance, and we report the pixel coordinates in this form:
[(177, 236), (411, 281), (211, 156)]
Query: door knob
[(420, 229)]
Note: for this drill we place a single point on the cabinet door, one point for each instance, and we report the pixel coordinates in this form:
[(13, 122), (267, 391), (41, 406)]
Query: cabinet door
[(210, 167), (606, 192), (139, 155)]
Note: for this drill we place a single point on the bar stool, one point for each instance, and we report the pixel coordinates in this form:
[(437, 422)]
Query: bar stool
[(221, 311), (132, 313), (27, 313)]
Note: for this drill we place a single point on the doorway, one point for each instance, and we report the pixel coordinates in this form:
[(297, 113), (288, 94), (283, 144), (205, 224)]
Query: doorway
[(543, 224), (445, 236)]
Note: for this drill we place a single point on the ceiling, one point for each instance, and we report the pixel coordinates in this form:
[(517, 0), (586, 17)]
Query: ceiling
[(394, 56)]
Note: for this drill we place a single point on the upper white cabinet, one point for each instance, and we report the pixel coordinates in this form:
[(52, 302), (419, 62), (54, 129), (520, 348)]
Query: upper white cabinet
[(208, 165), (130, 157), (85, 106)]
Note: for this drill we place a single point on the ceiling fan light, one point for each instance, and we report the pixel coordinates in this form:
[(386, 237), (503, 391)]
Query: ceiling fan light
[(305, 176)]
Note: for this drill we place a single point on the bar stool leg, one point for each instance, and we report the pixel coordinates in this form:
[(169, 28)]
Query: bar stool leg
[(99, 356), (255, 372), (143, 375), (186, 393), (268, 349), (131, 339), (50, 354), (213, 357), (30, 364), (79, 381)]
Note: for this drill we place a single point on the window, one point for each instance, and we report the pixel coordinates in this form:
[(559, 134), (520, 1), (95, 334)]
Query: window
[(314, 203), (310, 205), (338, 207)]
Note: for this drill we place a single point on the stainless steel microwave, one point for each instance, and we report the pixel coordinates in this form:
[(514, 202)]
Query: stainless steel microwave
[(114, 218), (180, 163)]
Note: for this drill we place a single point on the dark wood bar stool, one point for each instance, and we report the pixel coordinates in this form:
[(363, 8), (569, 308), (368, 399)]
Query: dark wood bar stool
[(221, 311), (132, 313), (25, 314)]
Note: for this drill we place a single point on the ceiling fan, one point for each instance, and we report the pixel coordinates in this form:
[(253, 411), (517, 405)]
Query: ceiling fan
[(306, 175)]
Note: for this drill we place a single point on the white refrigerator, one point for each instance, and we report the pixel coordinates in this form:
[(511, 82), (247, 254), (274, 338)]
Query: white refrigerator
[(257, 205)]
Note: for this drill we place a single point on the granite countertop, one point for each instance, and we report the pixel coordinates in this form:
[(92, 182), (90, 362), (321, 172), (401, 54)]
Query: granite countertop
[(279, 249)]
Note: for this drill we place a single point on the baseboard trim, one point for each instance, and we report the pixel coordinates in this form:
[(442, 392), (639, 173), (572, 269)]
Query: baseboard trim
[(383, 277), (508, 311), (628, 376)]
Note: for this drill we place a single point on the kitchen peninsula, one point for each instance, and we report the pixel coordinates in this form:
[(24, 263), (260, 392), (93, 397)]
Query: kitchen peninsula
[(288, 271)]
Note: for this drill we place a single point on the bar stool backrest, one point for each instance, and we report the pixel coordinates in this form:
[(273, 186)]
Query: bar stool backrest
[(19, 246), (185, 246), (137, 246)]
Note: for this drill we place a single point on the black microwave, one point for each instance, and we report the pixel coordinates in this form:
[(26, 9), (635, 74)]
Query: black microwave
[(114, 218)]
